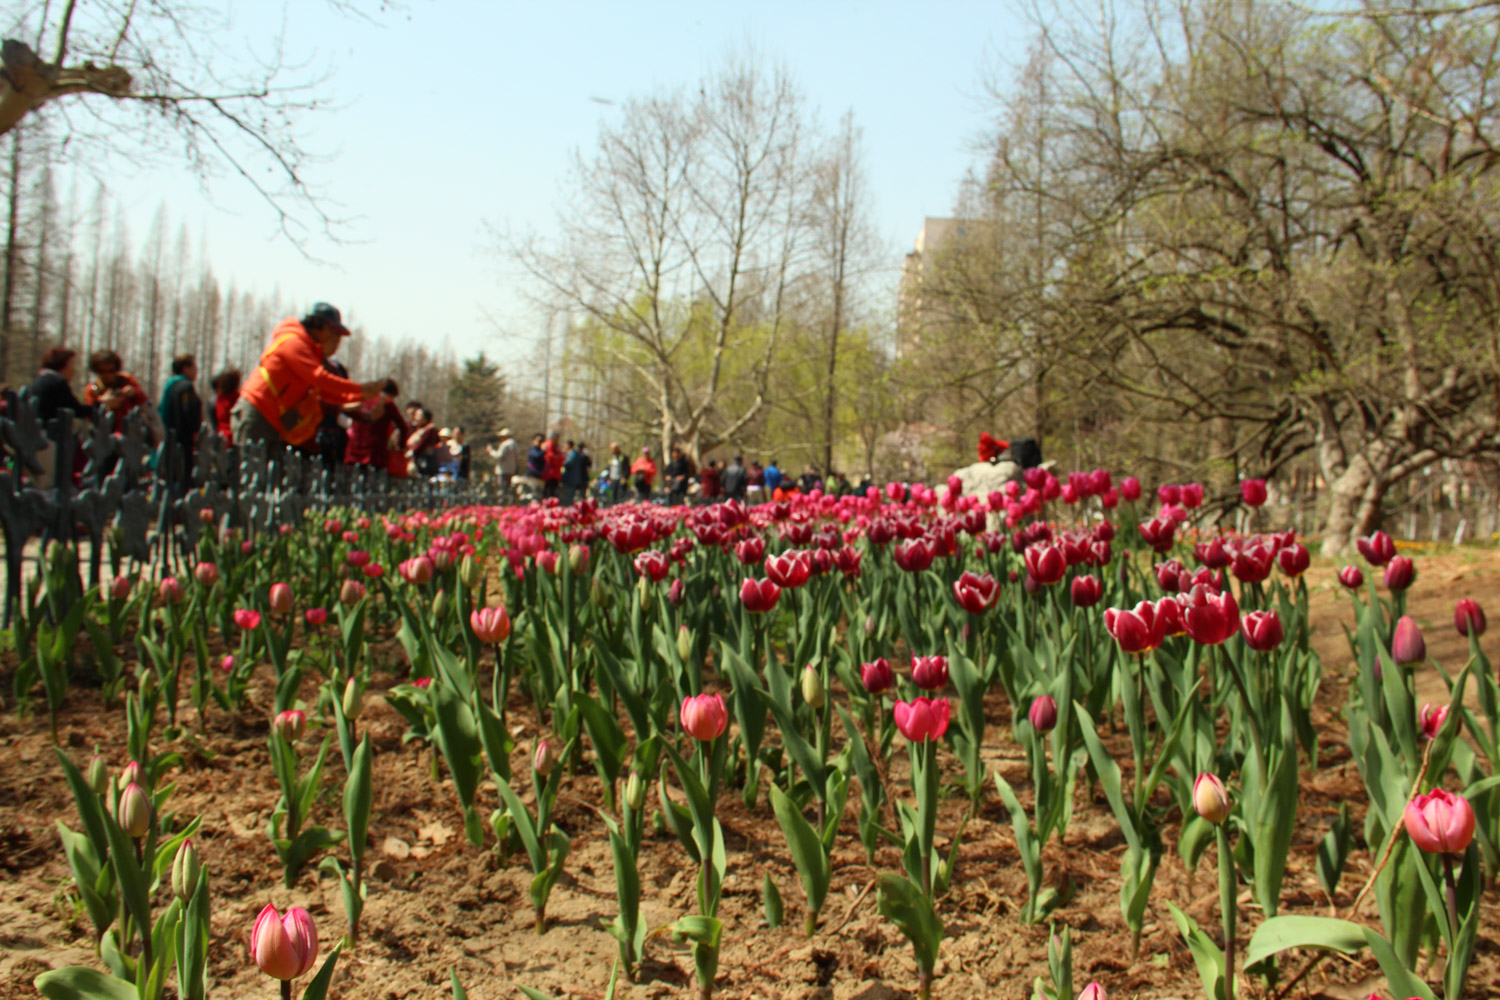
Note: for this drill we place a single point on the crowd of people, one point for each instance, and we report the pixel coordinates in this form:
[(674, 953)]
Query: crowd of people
[(299, 396)]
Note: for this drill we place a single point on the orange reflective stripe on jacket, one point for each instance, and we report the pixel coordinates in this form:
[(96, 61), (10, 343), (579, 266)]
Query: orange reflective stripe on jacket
[(290, 384)]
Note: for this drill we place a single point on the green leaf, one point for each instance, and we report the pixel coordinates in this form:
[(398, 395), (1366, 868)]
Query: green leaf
[(1401, 980), (358, 796), (1278, 934), (706, 931), (806, 849), (458, 989), (458, 738), (1206, 954), (771, 901), (533, 994), (318, 988), (903, 904), (524, 825), (79, 983)]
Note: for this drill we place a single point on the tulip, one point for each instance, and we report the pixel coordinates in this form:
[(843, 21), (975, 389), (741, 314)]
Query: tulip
[(490, 625), (878, 676), (704, 716), (246, 547), (284, 947), (421, 683), (930, 673), (923, 719), (544, 759), (1086, 591), (759, 595), (674, 592), (316, 616), (1252, 564), (914, 555), (546, 561), (1169, 617), (247, 619), (117, 589), (812, 687), (1432, 718), (790, 569), (417, 571), (1093, 991), (291, 724), (1294, 559), (1136, 630), (1212, 553), (281, 599), (1352, 577), (440, 602), (170, 590), (353, 702), (1210, 618), (653, 565), (976, 593), (578, 559), (1407, 644), (185, 868), (1440, 822), (1399, 573), (134, 811), (1262, 630), (1130, 488), (131, 773), (1192, 496), (1043, 714), (635, 791), (1159, 533), (333, 526), (227, 663), (1468, 617), (1378, 549), (1045, 563), (206, 573), (374, 571), (358, 558), (750, 551), (97, 775), (1210, 798), (1253, 492)]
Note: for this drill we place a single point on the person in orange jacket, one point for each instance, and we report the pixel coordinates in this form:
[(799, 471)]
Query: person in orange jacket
[(643, 470), (282, 400)]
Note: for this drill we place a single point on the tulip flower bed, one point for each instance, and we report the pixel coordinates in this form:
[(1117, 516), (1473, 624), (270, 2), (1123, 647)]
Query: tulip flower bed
[(1053, 742)]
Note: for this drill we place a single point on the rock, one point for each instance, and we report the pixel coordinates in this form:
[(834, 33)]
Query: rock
[(983, 478), (385, 871), (395, 847)]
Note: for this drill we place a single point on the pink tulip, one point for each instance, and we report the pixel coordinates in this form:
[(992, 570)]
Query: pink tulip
[(759, 595), (1253, 492), (1210, 618), (351, 592), (1399, 573), (1407, 644), (653, 564), (1468, 617), (1136, 630), (1093, 991), (1043, 714), (281, 599), (290, 725), (1211, 798), (923, 719), (546, 561), (170, 590), (1432, 718), (206, 573), (1086, 591), (416, 571), (1378, 549), (227, 663), (1440, 822), (1130, 488), (247, 619), (315, 616), (704, 716), (284, 947), (374, 571), (118, 589), (490, 625), (1352, 577), (976, 593), (134, 811), (422, 683)]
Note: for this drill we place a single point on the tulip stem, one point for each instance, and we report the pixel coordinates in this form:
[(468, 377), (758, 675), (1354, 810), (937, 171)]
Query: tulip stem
[(1451, 891), (1227, 905), (286, 989), (1391, 837)]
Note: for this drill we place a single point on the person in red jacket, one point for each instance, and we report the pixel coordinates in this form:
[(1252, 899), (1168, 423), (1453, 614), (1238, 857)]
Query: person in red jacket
[(226, 393), (370, 434), (554, 456), (113, 390), (282, 400)]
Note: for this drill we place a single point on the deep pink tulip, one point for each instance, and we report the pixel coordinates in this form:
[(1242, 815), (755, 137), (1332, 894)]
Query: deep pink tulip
[(1468, 617), (206, 573), (976, 593), (1130, 488), (1294, 559), (315, 616), (1399, 573), (1432, 718), (546, 561), (422, 683), (1192, 496), (1212, 553), (117, 589), (1135, 629), (417, 570), (704, 716), (170, 590), (1169, 494), (923, 719), (930, 673), (653, 564), (1407, 644), (1043, 714), (1440, 822), (490, 625), (1378, 549), (759, 595), (1253, 492), (878, 677), (374, 571), (247, 619), (1086, 591), (750, 551), (284, 948), (790, 569), (914, 555), (1262, 629), (1169, 617), (1046, 563), (1210, 618), (1352, 577), (1159, 533), (1252, 563)]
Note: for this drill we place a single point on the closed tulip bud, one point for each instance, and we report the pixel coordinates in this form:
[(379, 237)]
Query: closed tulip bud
[(1085, 591), (290, 725), (1352, 577), (869, 624), (578, 559), (171, 591), (440, 604), (131, 774), (1407, 644), (1440, 822), (206, 573), (1399, 573), (351, 593), (704, 716), (353, 702), (546, 561), (1253, 492), (185, 868), (674, 592), (647, 595), (117, 589), (134, 811), (812, 687), (1043, 714), (684, 643), (227, 663), (544, 759), (284, 948), (635, 791), (247, 619), (470, 572), (280, 599), (315, 616), (1432, 719), (1210, 798), (97, 775), (1262, 630), (1093, 991), (1468, 617), (603, 596)]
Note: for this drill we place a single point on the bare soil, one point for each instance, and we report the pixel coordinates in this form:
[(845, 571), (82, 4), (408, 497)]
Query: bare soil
[(436, 904)]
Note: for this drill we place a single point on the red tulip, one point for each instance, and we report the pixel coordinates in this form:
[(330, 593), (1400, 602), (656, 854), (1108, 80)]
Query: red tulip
[(1294, 559), (1086, 591), (790, 569), (653, 564), (1192, 496), (546, 561), (1158, 533), (759, 595), (1045, 563), (1352, 577), (750, 551), (1169, 493), (1378, 549), (1210, 618), (1253, 492), (284, 947), (1212, 553), (1043, 714), (847, 559), (1468, 617), (914, 555), (704, 716), (1407, 644), (357, 557), (374, 571), (1262, 630), (1432, 718), (1169, 617), (976, 593), (1252, 563), (247, 619), (923, 719), (333, 526), (930, 673), (878, 677), (490, 625), (1136, 630), (1440, 822), (315, 616), (1130, 488)]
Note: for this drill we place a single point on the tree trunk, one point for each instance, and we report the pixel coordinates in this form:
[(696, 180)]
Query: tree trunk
[(12, 256), (1354, 505)]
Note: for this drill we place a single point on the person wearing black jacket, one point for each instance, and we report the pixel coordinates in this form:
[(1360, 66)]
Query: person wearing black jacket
[(51, 391), (733, 479), (181, 413), (677, 474)]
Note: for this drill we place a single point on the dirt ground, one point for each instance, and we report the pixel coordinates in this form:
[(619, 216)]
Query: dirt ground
[(437, 904)]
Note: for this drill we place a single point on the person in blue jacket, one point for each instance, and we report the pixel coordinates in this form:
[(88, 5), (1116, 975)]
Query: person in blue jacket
[(773, 477)]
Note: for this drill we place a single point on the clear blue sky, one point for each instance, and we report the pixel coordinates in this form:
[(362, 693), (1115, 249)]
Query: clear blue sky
[(456, 114)]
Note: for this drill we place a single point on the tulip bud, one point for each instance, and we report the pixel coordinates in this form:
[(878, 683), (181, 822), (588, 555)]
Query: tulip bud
[(1210, 798), (674, 593), (131, 774), (870, 624), (440, 604), (1468, 617), (1352, 577), (280, 599), (1407, 644), (352, 592), (185, 868), (1432, 719), (206, 573), (578, 559), (134, 812), (470, 572), (170, 590), (1093, 991), (290, 725), (1399, 573), (284, 948), (97, 775), (812, 687), (315, 616), (1440, 822), (354, 700), (603, 597), (117, 589), (1043, 714), (227, 663), (635, 791), (544, 759), (684, 643), (647, 594)]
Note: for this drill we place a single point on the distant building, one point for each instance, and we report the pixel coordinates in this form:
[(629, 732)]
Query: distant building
[(936, 238)]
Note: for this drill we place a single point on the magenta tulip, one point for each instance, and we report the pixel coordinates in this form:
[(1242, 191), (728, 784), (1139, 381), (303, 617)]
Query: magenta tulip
[(759, 595), (1399, 573), (930, 673), (976, 593), (1468, 617), (1352, 577), (1086, 591), (878, 676), (1210, 618), (1262, 630), (1407, 644), (1253, 492), (1378, 549), (923, 719), (1043, 714), (704, 716), (1432, 718), (1440, 822)]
